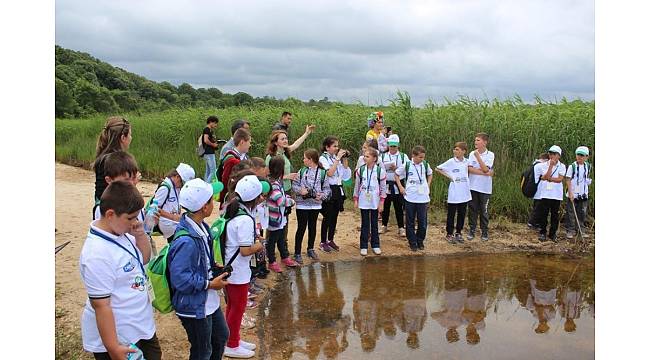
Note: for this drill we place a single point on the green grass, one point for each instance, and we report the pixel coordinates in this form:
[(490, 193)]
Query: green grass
[(518, 133)]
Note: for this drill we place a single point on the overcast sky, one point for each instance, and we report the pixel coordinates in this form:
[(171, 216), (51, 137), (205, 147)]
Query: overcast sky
[(345, 50)]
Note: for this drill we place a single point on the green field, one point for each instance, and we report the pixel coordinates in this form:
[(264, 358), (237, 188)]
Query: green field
[(518, 131)]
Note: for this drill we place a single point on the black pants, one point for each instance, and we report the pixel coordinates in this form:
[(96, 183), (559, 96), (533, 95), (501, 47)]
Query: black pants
[(546, 206), (398, 204), (479, 205), (207, 336), (369, 228), (452, 210), (150, 349), (330, 211), (534, 213), (276, 237), (580, 212), (416, 211), (306, 218)]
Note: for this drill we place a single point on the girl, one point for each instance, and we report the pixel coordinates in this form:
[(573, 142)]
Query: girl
[(115, 136), (277, 201), (311, 190), (261, 216), (240, 243), (455, 169), (167, 197), (369, 195), (335, 161), (368, 144)]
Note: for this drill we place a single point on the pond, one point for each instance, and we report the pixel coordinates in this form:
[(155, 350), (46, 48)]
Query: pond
[(496, 306)]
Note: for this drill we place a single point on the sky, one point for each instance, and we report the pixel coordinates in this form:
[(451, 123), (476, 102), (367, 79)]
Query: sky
[(350, 51)]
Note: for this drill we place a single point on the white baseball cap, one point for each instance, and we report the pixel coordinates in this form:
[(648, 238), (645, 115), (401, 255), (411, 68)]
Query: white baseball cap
[(185, 171), (582, 150), (393, 140), (194, 194), (555, 149), (248, 188)]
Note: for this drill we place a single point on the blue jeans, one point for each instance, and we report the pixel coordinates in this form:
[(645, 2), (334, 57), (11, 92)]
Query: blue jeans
[(369, 227), (210, 166), (207, 336), (413, 211)]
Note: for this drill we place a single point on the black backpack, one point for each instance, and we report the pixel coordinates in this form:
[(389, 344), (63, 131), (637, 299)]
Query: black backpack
[(528, 184)]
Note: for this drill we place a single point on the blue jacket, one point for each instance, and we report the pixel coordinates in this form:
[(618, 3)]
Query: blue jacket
[(187, 263)]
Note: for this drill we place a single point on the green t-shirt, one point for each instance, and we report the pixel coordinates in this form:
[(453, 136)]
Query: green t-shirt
[(286, 183)]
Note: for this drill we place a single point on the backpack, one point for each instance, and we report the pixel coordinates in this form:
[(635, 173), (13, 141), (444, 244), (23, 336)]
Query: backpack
[(158, 273), (408, 164), (574, 167), (229, 154), (304, 169), (401, 155), (363, 168), (528, 185), (200, 149)]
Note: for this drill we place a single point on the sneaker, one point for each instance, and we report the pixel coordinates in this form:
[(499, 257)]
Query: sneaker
[(377, 251), (421, 247), (238, 352), (363, 252), (470, 235), (541, 237), (251, 295), (312, 254), (382, 229), (484, 237), (450, 238), (298, 258), (275, 267), (289, 262), (413, 248), (247, 322), (553, 238), (585, 235), (246, 345), (402, 232), (459, 238), (325, 247), (333, 245), (531, 226), (570, 234), (251, 304)]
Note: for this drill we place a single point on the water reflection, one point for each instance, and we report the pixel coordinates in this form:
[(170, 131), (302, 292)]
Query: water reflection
[(487, 306)]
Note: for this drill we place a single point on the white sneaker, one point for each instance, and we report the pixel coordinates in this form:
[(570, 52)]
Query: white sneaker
[(377, 251), (363, 252), (382, 229), (239, 352), (247, 345), (402, 232)]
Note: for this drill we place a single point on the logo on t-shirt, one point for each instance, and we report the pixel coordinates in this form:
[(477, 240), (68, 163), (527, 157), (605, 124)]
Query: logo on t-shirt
[(128, 267), (138, 283), (172, 199)]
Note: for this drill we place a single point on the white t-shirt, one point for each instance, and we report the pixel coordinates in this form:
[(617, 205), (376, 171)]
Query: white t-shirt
[(581, 181), (341, 174), (240, 232), (459, 188), (371, 187), (261, 216), (547, 189), (386, 159), (416, 189), (108, 271), (172, 205), (212, 301), (362, 161), (481, 183)]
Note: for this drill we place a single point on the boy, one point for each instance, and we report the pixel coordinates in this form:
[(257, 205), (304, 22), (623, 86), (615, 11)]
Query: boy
[(543, 157), (393, 160), (230, 144), (210, 144), (242, 139), (549, 177), (456, 170), (577, 182), (481, 162), (112, 263), (417, 176)]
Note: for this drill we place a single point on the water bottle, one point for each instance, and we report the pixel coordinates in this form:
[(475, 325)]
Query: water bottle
[(149, 218), (137, 355)]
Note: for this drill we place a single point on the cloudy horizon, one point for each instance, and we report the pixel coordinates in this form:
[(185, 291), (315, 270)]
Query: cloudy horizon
[(347, 51)]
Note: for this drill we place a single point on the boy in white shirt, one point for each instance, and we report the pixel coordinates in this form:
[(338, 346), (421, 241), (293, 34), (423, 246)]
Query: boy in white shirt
[(392, 160), (481, 162), (167, 196), (577, 182), (112, 263), (417, 175), (456, 170), (549, 192)]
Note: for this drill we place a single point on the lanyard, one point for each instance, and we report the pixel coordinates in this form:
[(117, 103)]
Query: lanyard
[(208, 250), (369, 178), (418, 173), (136, 256), (178, 202), (313, 185)]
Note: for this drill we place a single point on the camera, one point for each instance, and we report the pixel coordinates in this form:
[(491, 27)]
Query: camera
[(311, 194), (389, 129), (581, 197), (221, 141), (218, 270), (345, 154)]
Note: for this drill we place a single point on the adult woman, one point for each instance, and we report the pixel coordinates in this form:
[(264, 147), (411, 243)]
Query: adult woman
[(115, 136), (279, 145), (376, 125)]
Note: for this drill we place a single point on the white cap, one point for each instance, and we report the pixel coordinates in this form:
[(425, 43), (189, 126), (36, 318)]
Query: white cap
[(248, 188), (185, 171), (555, 149), (393, 140), (582, 150), (194, 194)]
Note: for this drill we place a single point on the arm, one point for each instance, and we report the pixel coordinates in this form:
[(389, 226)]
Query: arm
[(181, 275), (106, 326), (441, 172), (250, 250), (355, 194), (301, 139), (206, 139), (160, 195), (569, 188), (398, 182), (141, 241), (382, 192), (484, 168)]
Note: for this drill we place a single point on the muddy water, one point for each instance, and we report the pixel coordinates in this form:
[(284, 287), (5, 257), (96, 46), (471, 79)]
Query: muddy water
[(510, 306)]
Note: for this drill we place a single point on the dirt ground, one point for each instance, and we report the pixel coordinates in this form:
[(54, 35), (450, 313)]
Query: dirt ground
[(74, 189)]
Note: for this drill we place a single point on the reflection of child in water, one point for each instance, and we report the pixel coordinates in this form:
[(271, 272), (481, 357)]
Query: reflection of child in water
[(541, 304), (570, 308)]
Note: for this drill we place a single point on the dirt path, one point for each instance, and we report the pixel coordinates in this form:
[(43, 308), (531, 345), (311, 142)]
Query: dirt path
[(74, 189)]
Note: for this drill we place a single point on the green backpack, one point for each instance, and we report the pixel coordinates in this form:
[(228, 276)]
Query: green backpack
[(408, 164), (304, 169), (363, 168), (159, 275)]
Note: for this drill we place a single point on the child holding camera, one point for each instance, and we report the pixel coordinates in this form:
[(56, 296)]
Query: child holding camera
[(311, 189), (335, 161), (577, 182), (369, 195), (194, 288)]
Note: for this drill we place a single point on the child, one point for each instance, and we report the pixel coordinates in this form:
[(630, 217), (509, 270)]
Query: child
[(368, 144), (310, 189), (543, 157), (112, 266), (455, 169), (335, 162), (417, 175), (194, 288), (481, 162), (261, 216), (167, 196), (577, 182), (277, 201), (242, 139), (369, 195), (392, 160), (240, 245), (549, 176)]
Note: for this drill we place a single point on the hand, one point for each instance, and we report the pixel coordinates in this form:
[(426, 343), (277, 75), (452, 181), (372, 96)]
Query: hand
[(120, 351), (292, 176), (177, 217), (381, 207), (137, 230), (156, 217), (218, 283), (491, 173), (392, 166), (571, 195), (303, 191), (402, 191), (553, 162), (340, 154), (310, 128), (356, 203), (319, 196)]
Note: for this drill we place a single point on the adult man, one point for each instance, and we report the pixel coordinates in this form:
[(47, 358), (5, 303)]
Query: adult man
[(284, 123), (241, 123), (210, 144)]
